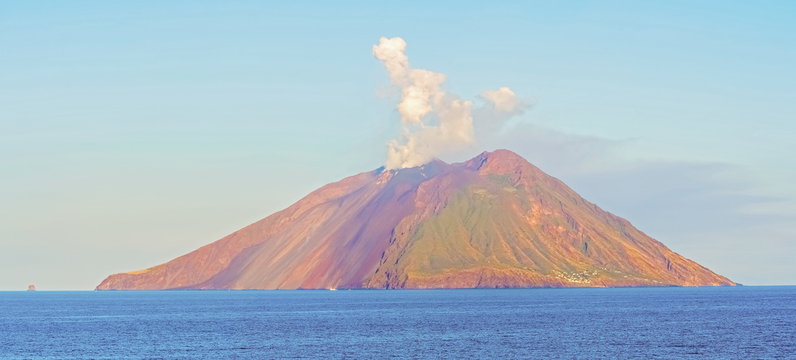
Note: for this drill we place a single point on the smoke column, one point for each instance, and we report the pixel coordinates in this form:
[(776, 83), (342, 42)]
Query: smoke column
[(433, 120)]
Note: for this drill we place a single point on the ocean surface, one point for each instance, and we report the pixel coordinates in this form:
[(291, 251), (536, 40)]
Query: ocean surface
[(739, 323)]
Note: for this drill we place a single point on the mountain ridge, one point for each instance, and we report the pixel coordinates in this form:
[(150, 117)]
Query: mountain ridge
[(495, 220)]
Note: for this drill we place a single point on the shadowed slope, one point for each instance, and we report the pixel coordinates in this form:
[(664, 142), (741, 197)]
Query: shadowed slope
[(514, 226), (493, 221)]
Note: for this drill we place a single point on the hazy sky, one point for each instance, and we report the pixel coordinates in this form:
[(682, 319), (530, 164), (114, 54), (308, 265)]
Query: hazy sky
[(134, 132)]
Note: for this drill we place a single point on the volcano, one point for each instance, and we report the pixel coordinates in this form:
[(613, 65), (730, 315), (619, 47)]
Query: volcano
[(494, 221)]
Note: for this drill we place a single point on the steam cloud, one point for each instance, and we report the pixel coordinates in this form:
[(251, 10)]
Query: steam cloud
[(434, 121), (503, 99)]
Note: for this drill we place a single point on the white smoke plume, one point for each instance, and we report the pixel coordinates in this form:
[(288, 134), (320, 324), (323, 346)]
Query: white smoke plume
[(433, 120), (504, 100)]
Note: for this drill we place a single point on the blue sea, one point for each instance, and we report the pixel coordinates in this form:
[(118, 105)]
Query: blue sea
[(727, 322)]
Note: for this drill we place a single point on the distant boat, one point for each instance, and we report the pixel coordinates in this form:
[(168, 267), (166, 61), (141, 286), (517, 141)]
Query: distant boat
[(31, 287)]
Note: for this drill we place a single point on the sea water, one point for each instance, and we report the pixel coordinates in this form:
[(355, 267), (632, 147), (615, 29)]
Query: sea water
[(726, 322)]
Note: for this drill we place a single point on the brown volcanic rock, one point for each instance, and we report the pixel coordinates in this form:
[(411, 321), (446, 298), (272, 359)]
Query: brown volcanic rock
[(493, 221)]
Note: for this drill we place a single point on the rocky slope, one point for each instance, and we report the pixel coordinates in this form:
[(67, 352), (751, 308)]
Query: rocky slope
[(493, 221)]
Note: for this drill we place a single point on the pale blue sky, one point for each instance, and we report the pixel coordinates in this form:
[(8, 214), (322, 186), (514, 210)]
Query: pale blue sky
[(134, 132)]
